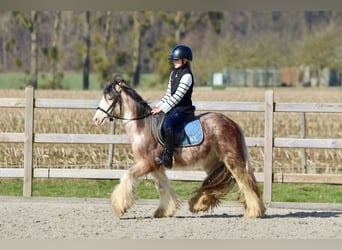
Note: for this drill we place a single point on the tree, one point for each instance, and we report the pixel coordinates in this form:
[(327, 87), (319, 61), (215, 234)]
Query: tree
[(31, 23), (136, 47), (34, 49), (7, 41), (140, 25), (53, 55), (182, 24), (230, 38), (86, 57), (319, 50), (101, 46), (54, 52)]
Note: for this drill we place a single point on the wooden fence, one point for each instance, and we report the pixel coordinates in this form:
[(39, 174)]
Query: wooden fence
[(268, 142)]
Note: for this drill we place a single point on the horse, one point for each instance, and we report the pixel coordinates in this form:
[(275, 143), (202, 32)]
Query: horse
[(222, 154)]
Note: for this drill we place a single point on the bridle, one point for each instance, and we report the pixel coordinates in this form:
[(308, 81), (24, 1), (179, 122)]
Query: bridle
[(111, 116)]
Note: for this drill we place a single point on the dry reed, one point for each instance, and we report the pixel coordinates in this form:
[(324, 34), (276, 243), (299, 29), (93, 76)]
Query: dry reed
[(95, 156)]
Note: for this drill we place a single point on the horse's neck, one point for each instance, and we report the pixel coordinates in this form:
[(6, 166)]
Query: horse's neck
[(134, 128), (129, 111)]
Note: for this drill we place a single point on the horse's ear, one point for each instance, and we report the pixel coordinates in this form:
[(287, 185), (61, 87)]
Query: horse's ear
[(117, 87), (121, 83), (117, 79), (118, 82)]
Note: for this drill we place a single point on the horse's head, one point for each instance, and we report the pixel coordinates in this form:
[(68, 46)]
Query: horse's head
[(111, 97)]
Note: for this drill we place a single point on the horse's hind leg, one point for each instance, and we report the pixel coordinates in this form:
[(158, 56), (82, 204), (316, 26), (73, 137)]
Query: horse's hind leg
[(248, 186), (169, 203)]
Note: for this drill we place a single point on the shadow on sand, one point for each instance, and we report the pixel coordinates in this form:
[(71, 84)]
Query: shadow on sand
[(301, 214)]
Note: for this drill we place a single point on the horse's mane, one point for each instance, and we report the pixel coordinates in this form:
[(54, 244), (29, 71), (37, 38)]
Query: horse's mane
[(150, 123), (143, 108)]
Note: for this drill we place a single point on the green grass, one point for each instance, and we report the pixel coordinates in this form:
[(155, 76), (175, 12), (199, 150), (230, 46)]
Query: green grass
[(321, 193), (59, 188), (71, 81), (284, 192)]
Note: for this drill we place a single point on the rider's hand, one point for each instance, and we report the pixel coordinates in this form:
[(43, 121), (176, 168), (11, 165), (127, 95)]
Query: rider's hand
[(155, 110)]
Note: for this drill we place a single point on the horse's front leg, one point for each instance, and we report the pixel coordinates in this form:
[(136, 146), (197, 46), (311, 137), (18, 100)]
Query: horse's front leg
[(123, 195), (169, 202)]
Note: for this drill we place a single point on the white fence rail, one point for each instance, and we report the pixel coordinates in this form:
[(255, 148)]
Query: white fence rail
[(269, 107)]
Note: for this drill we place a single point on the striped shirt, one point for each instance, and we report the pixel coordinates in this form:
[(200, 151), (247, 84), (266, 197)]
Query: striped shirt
[(169, 101)]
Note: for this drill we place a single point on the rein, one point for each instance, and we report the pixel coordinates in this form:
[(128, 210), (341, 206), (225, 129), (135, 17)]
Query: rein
[(111, 116)]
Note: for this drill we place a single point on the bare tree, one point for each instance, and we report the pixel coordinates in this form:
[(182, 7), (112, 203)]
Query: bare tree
[(34, 49), (142, 48), (140, 25), (54, 54), (31, 23), (6, 39), (86, 59), (107, 30), (182, 24), (136, 47), (101, 45)]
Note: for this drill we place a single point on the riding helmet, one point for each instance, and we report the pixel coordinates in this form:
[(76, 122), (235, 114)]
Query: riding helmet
[(180, 52)]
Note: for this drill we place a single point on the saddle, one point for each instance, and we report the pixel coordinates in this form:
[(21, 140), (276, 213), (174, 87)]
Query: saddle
[(188, 134)]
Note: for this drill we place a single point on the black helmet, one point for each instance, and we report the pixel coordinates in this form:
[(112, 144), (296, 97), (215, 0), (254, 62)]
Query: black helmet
[(180, 52)]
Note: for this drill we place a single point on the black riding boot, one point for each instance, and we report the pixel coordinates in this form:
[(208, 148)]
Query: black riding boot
[(166, 158)]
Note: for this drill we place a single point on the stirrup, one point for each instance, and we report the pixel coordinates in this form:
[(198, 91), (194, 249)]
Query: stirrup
[(158, 161), (162, 160)]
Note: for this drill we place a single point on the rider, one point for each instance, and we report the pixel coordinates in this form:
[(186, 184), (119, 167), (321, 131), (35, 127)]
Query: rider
[(176, 103)]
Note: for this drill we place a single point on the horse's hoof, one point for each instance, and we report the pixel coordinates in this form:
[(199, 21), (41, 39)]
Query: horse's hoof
[(253, 214), (158, 214), (162, 213), (199, 204), (119, 212)]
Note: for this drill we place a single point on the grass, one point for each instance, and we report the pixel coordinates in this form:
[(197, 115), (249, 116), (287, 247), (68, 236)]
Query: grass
[(71, 81), (321, 193), (281, 192)]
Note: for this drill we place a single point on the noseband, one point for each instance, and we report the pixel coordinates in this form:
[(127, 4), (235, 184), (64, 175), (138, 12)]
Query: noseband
[(111, 116)]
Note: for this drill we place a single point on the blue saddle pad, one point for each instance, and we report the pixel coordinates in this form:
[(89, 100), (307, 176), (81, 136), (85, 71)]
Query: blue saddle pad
[(191, 134)]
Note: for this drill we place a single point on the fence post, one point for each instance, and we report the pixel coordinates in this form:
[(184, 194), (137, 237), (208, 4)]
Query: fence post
[(268, 145), (28, 142), (303, 135), (111, 146)]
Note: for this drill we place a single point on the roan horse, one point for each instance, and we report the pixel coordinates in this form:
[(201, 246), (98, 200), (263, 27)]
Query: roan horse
[(222, 155)]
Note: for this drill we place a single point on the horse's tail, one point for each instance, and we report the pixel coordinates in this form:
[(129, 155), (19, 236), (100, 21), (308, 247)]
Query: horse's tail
[(217, 184)]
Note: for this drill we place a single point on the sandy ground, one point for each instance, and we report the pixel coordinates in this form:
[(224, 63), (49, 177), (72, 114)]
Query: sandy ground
[(61, 218)]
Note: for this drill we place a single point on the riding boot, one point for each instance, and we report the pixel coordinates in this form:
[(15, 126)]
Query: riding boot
[(166, 158)]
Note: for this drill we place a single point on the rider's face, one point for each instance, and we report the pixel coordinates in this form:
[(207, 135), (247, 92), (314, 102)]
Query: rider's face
[(177, 63)]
